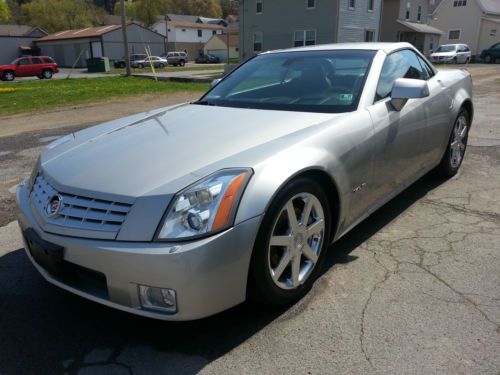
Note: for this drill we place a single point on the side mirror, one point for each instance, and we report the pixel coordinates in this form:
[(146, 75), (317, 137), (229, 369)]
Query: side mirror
[(407, 88), (215, 82)]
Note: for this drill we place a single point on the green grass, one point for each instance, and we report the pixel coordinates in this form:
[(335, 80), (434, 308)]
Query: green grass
[(27, 96), (170, 69)]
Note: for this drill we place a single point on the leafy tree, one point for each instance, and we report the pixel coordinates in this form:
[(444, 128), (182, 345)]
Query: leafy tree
[(108, 5), (57, 15), (4, 13), (229, 7), (130, 10), (205, 8), (149, 11)]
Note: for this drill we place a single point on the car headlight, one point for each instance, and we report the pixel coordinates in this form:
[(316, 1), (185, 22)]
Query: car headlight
[(207, 207), (60, 141)]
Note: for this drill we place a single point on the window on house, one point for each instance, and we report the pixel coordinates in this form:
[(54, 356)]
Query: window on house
[(459, 3), (453, 34), (199, 33), (419, 13), (311, 4), (257, 42), (213, 32), (352, 4), (259, 6), (369, 35), (304, 38), (493, 32), (370, 5), (407, 15)]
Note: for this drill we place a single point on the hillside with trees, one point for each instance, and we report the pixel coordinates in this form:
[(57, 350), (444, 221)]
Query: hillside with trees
[(56, 15)]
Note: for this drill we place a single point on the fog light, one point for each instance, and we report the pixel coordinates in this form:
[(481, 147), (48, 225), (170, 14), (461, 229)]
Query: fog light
[(158, 299)]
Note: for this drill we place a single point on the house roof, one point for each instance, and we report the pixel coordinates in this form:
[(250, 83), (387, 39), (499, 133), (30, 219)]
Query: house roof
[(182, 18), (213, 21), (490, 6), (88, 32), (194, 25), (19, 30), (420, 27), (234, 40)]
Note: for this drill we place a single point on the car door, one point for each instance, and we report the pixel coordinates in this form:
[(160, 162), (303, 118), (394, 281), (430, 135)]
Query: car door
[(495, 51), (398, 135), (24, 67), (37, 65)]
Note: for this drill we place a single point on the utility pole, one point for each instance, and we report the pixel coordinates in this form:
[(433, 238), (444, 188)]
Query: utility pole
[(125, 39)]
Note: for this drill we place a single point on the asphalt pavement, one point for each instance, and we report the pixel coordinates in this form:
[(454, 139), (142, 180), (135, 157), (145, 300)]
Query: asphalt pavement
[(414, 289)]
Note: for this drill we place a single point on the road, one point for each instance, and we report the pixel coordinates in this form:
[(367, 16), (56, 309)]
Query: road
[(413, 289)]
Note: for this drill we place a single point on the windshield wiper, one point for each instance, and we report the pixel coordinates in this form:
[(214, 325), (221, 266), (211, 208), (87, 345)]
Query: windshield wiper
[(203, 102)]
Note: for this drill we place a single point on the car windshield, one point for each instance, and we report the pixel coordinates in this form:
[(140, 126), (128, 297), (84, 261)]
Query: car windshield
[(309, 81), (14, 62), (446, 49)]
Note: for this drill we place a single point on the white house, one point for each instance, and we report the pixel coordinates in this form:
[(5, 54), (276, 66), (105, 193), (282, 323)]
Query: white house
[(187, 36)]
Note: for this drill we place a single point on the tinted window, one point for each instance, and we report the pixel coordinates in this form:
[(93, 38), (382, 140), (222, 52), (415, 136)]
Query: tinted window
[(48, 60), (312, 81), (401, 64), (24, 62), (426, 68), (36, 60)]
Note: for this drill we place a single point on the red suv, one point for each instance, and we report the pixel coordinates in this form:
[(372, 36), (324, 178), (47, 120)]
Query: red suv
[(40, 66)]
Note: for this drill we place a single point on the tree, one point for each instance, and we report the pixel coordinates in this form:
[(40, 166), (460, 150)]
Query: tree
[(4, 13), (204, 8), (108, 5), (149, 11), (229, 7), (130, 10), (57, 15)]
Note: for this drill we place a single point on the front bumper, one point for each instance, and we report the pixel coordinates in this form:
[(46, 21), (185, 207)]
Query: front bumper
[(208, 275)]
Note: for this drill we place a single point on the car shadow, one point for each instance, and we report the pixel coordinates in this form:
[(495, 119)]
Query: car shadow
[(45, 330)]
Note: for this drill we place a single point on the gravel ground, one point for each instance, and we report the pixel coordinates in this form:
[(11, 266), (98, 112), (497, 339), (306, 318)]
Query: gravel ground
[(413, 289)]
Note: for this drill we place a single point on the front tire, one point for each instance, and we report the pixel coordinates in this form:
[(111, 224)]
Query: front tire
[(291, 244), (8, 76), (182, 63), (161, 65), (457, 144)]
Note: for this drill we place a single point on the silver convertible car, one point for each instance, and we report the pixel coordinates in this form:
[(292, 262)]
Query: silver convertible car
[(185, 211)]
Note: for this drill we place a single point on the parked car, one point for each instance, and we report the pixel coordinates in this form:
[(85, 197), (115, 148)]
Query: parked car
[(240, 194), (451, 53), (157, 62), (43, 67), (207, 59), (120, 64), (176, 58), (492, 54)]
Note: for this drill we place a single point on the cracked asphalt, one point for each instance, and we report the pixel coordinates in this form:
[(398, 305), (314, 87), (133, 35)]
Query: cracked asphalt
[(414, 289)]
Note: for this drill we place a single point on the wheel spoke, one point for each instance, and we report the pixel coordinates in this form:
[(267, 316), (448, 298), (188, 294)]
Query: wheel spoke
[(281, 240), (307, 211), (292, 217), (284, 262), (315, 228), (295, 270), (309, 253)]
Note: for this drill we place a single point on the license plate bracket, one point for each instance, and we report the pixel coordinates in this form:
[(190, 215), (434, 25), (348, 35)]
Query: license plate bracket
[(48, 255)]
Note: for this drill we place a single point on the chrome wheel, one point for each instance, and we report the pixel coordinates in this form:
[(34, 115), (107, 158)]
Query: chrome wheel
[(296, 241), (458, 141), (8, 76)]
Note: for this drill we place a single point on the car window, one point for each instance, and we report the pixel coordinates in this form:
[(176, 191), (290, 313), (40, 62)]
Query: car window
[(448, 48), (24, 62), (496, 46), (428, 72), (48, 60), (36, 60), (400, 64), (308, 81)]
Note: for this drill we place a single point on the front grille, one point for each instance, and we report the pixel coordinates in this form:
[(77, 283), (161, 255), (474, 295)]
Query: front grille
[(79, 212)]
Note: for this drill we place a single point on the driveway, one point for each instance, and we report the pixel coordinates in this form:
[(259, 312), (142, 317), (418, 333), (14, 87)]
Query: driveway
[(414, 289)]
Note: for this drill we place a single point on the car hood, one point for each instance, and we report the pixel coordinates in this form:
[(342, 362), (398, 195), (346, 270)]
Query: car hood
[(443, 54), (165, 150), (7, 66)]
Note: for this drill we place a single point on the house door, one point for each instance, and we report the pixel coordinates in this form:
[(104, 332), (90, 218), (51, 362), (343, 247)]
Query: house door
[(96, 49)]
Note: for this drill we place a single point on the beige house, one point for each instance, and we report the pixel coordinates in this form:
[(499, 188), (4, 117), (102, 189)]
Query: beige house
[(406, 21), (473, 22), (217, 46)]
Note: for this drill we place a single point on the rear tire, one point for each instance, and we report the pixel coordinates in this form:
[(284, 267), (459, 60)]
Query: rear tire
[(140, 66), (161, 65), (47, 74), (8, 75), (290, 250), (488, 59), (457, 144), (182, 63)]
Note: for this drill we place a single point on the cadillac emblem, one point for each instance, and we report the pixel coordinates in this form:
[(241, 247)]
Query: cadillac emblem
[(54, 205)]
